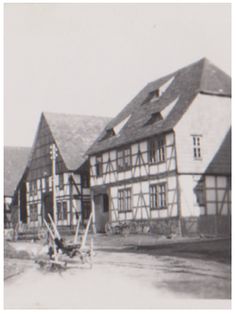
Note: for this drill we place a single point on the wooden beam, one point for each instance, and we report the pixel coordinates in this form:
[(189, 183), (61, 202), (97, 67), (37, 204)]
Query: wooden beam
[(77, 230), (84, 238), (54, 227)]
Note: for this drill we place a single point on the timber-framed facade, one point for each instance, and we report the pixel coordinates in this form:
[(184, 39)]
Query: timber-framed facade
[(159, 161), (69, 136)]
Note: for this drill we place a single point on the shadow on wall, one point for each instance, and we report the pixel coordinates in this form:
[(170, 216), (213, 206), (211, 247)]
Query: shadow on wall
[(213, 193)]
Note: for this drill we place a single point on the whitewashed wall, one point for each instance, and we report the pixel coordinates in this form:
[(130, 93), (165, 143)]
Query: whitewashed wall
[(209, 116)]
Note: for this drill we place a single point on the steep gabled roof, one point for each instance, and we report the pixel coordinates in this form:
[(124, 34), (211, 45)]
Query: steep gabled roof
[(73, 135), (15, 160), (181, 86), (221, 163)]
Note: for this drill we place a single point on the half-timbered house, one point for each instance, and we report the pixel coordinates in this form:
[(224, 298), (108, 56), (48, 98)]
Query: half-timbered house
[(60, 181), (155, 163), (15, 161)]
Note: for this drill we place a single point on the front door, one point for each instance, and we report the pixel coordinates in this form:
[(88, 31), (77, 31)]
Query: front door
[(47, 206), (101, 211)]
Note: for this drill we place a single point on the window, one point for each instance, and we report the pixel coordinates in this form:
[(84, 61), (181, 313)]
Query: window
[(124, 200), (33, 187), (98, 166), (61, 181), (156, 95), (157, 150), (158, 196), (59, 211), (108, 133), (85, 181), (62, 211), (33, 212), (197, 147), (123, 159)]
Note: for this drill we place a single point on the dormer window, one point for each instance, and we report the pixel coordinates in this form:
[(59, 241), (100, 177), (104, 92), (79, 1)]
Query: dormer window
[(156, 95), (109, 133), (155, 117), (115, 130)]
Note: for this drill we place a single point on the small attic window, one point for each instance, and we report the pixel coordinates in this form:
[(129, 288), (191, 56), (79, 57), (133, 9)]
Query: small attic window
[(156, 95), (109, 133), (116, 129), (155, 117)]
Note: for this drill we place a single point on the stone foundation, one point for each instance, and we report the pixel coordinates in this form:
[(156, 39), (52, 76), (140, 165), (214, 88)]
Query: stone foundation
[(214, 225)]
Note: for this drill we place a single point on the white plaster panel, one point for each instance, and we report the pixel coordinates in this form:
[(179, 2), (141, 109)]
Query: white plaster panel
[(211, 208), (163, 213), (154, 214), (134, 148), (129, 216), (105, 157), (221, 182), (211, 195), (210, 181)]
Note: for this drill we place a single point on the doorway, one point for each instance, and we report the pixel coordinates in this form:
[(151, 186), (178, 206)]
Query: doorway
[(48, 206), (101, 211)]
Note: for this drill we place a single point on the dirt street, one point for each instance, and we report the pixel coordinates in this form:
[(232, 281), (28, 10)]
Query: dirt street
[(124, 276)]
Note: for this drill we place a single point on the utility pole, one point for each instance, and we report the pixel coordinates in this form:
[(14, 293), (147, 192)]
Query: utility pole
[(53, 156)]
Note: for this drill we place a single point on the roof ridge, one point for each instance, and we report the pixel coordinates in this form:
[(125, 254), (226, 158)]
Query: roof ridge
[(72, 114), (9, 146)]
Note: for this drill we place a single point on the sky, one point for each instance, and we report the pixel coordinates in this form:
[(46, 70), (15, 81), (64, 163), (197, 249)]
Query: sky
[(92, 59)]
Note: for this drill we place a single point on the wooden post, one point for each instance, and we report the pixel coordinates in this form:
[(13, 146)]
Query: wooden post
[(179, 204), (93, 212), (53, 153), (86, 232), (77, 230)]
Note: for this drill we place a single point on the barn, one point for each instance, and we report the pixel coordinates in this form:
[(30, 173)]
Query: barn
[(15, 161), (57, 174), (164, 161)]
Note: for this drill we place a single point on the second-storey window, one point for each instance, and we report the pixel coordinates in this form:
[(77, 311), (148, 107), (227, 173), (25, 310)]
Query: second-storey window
[(85, 181), (158, 196), (123, 159), (157, 150), (124, 200), (197, 154), (33, 187), (61, 181), (98, 166)]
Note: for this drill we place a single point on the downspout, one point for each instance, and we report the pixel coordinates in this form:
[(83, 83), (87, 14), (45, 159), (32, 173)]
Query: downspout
[(180, 220)]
